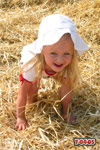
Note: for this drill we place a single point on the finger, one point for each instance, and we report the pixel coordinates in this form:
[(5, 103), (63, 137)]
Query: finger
[(73, 117), (16, 126), (23, 127), (20, 127), (73, 120)]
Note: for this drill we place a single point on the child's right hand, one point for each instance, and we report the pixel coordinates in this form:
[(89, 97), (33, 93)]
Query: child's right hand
[(21, 124)]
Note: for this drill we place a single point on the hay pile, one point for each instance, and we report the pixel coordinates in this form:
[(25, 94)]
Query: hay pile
[(19, 22)]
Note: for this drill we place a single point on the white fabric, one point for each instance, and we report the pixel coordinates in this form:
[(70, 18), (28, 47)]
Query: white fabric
[(29, 75)]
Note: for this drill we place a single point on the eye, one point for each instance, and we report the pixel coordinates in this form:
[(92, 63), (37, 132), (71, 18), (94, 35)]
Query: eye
[(53, 53), (66, 54)]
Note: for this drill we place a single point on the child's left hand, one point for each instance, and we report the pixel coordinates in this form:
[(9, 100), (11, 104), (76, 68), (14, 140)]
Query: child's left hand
[(71, 119)]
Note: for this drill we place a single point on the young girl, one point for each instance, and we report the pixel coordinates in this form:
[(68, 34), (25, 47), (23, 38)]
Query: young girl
[(53, 54)]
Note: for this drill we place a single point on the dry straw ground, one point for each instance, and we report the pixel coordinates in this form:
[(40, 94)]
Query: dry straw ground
[(19, 22)]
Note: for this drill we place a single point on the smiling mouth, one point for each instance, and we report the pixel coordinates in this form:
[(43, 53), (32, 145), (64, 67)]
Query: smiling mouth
[(58, 66)]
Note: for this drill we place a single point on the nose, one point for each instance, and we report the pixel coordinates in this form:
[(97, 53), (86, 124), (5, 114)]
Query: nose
[(59, 60)]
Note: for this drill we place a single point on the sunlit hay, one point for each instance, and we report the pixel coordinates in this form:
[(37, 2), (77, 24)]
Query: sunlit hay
[(19, 22)]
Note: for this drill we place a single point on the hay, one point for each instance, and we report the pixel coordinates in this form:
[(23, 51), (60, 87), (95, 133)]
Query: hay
[(19, 22)]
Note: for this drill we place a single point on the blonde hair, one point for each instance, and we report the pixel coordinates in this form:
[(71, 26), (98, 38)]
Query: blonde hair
[(38, 64)]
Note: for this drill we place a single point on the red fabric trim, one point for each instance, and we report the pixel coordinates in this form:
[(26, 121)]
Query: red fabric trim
[(21, 63), (49, 73), (22, 79)]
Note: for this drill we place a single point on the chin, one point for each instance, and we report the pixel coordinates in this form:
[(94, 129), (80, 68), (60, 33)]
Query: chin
[(57, 70)]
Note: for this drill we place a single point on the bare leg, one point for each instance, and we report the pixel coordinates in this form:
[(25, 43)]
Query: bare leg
[(32, 93)]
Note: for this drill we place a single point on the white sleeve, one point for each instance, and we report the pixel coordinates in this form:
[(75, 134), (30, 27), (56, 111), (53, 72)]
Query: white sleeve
[(26, 55), (29, 75)]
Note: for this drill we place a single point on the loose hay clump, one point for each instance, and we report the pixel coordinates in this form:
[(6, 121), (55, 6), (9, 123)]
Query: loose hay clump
[(46, 128)]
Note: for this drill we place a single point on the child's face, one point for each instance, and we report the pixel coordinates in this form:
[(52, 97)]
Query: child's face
[(58, 55)]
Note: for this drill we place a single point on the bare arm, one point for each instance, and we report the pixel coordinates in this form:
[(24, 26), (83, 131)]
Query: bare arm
[(67, 100), (21, 99), (20, 105)]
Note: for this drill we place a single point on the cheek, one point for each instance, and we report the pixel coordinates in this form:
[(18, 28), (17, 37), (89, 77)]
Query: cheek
[(48, 60), (68, 61)]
